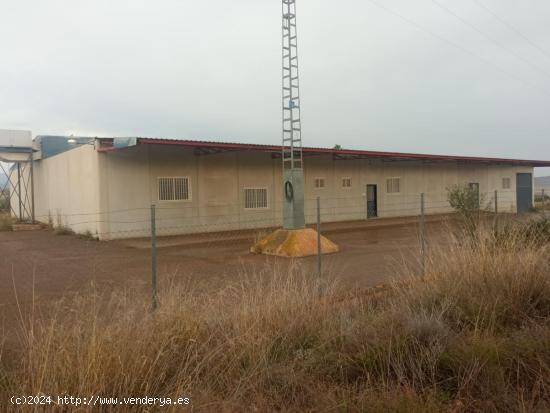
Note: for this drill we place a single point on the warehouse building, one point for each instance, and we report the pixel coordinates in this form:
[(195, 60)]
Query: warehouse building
[(105, 186)]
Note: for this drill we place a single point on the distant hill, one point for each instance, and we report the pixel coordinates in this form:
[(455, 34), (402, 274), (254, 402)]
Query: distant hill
[(542, 182)]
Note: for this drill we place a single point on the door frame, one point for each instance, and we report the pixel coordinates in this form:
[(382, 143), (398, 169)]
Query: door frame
[(518, 187), (371, 215), (475, 185)]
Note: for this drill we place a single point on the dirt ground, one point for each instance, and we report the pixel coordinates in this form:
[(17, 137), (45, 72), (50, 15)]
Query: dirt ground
[(52, 266)]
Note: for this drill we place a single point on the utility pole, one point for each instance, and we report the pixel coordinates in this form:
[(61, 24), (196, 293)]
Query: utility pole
[(293, 172)]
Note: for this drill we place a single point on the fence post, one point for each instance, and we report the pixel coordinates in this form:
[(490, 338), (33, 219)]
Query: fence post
[(496, 210), (422, 234), (154, 257), (319, 236), (543, 203)]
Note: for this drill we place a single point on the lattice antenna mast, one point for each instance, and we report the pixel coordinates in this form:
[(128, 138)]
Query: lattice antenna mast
[(293, 173), (292, 128)]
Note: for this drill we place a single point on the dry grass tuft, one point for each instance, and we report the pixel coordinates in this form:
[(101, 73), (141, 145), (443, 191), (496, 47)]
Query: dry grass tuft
[(63, 230), (6, 221), (472, 336)]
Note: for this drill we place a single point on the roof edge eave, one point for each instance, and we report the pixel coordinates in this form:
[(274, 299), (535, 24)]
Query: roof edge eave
[(331, 151)]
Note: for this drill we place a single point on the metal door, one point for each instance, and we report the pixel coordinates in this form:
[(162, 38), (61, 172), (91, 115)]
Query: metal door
[(474, 186), (524, 192), (372, 201)]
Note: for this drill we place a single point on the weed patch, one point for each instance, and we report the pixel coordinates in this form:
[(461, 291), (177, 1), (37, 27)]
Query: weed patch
[(471, 336)]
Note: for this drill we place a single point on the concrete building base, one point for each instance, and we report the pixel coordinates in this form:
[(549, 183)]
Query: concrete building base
[(293, 244), (27, 227)]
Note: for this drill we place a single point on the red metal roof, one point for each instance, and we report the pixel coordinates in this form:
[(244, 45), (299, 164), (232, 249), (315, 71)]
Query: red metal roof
[(335, 152)]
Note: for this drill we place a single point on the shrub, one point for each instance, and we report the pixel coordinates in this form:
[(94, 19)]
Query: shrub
[(532, 232), (4, 202), (6, 222), (467, 202), (538, 197), (464, 199), (87, 235), (63, 230)]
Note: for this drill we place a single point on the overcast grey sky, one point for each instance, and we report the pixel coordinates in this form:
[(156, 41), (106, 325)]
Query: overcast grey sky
[(403, 75)]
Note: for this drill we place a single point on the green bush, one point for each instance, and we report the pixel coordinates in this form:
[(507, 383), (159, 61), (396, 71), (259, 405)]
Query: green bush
[(466, 201), (4, 202)]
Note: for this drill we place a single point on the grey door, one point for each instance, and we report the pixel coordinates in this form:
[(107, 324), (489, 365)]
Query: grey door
[(474, 186), (524, 192), (372, 201)]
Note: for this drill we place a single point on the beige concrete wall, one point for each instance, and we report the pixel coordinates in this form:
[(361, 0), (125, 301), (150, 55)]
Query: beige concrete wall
[(124, 195), (110, 194), (128, 181), (130, 184), (66, 190)]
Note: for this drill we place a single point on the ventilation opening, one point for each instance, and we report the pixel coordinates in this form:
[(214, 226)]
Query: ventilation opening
[(393, 185), (255, 198), (173, 189)]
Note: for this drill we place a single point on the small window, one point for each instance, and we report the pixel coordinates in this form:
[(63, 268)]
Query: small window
[(255, 198), (173, 189), (346, 182), (393, 185), (506, 183), (319, 183)]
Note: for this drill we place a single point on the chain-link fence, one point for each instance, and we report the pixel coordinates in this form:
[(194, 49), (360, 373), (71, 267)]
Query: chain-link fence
[(542, 200), (206, 239), (227, 222)]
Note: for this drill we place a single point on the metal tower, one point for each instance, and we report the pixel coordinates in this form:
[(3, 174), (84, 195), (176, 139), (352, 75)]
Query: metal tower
[(293, 174)]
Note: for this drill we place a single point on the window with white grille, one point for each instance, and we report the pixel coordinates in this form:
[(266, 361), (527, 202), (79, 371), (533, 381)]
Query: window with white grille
[(319, 183), (346, 182), (174, 189), (506, 183), (255, 198), (393, 185)]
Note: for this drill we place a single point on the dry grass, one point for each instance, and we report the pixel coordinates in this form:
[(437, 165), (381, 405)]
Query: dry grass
[(472, 336), (6, 221), (63, 230)]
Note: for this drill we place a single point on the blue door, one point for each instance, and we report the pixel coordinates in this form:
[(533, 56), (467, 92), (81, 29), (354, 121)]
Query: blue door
[(372, 201), (524, 192)]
